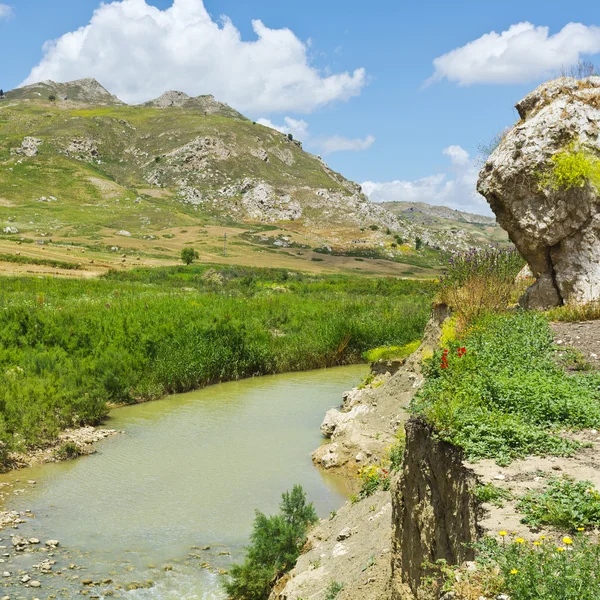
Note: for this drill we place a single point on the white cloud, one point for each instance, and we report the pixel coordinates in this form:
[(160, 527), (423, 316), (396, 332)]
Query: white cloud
[(455, 189), (520, 54), (339, 143), (298, 128), (324, 145), (6, 11), (138, 51)]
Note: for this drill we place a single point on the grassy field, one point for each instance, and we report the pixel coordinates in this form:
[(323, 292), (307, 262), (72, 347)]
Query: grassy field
[(70, 347)]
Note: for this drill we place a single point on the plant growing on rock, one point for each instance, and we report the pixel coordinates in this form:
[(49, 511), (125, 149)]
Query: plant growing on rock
[(574, 167)]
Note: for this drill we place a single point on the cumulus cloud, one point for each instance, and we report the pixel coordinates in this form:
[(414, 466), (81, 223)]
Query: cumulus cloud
[(324, 145), (520, 54), (6, 11), (298, 128), (138, 51), (339, 143), (455, 188)]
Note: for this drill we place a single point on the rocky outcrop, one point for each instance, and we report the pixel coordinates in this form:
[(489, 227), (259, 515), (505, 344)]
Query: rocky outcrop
[(555, 227), (28, 147), (434, 510)]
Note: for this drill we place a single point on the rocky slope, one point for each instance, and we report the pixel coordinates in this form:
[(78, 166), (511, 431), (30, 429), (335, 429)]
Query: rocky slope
[(542, 184), (177, 161)]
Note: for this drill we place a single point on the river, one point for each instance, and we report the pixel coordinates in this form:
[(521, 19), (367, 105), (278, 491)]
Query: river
[(186, 475)]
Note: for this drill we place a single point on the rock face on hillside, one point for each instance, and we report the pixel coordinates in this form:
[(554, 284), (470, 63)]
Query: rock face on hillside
[(206, 104), (87, 91), (556, 228)]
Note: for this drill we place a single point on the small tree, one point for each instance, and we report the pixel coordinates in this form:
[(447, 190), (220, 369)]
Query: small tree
[(290, 137), (188, 255), (52, 98), (418, 243), (276, 545)]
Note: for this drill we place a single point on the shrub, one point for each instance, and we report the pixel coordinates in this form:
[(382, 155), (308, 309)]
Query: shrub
[(418, 243), (492, 493), (52, 97), (188, 255), (565, 503), (276, 543), (479, 281)]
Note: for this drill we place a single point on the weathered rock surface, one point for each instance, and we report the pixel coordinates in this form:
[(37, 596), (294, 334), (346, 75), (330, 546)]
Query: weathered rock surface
[(556, 230), (28, 147)]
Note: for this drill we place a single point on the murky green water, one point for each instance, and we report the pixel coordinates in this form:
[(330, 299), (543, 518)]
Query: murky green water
[(188, 472)]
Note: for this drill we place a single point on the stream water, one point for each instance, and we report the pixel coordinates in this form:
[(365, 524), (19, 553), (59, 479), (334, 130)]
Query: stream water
[(186, 475)]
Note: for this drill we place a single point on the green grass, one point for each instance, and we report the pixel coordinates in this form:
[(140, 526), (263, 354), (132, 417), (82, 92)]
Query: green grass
[(391, 352), (506, 397), (26, 260), (70, 347)]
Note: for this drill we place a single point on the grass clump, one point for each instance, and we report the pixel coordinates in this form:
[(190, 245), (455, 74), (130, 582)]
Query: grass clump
[(565, 503), (276, 542), (480, 281), (498, 392), (567, 570), (391, 352), (571, 313), (574, 167)]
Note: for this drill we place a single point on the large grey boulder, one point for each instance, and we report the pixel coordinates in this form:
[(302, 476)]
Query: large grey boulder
[(556, 229)]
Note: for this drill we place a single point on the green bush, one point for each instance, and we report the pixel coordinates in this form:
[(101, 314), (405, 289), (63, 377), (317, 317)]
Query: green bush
[(276, 543), (565, 503), (333, 589), (498, 393), (188, 255)]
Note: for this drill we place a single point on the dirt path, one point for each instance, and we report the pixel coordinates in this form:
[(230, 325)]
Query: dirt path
[(583, 336)]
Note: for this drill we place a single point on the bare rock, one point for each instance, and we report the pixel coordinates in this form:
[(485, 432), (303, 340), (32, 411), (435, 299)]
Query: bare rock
[(556, 230), (29, 147)]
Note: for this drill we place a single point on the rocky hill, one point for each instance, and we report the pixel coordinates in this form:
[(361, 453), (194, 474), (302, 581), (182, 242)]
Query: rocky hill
[(77, 163)]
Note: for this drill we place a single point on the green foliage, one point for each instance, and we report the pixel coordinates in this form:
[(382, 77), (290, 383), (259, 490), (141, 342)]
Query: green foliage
[(418, 243), (26, 260), (188, 255), (69, 348), (542, 570), (52, 98), (333, 589), (574, 167), (498, 393), (566, 504), (391, 352), (492, 493), (276, 543)]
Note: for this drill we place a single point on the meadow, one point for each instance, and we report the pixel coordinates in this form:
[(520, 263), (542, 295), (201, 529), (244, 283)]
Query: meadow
[(69, 349)]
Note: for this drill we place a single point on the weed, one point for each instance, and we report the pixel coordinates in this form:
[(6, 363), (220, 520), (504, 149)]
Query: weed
[(566, 504), (493, 494), (391, 352), (333, 589), (573, 167)]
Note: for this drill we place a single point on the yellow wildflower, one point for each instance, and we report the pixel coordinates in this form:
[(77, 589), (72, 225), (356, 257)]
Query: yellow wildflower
[(520, 541), (514, 571), (581, 529), (568, 541), (560, 549), (542, 537), (537, 543), (503, 533)]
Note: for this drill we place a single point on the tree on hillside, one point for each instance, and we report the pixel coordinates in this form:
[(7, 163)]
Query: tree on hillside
[(188, 255), (52, 97), (418, 243)]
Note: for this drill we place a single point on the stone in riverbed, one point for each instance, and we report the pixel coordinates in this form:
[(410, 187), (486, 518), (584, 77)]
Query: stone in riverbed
[(52, 543)]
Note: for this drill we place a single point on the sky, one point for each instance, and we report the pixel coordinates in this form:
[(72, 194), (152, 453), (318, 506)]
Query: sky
[(398, 96)]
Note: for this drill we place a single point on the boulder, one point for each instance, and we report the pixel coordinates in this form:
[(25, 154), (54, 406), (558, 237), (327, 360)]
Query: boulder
[(555, 227)]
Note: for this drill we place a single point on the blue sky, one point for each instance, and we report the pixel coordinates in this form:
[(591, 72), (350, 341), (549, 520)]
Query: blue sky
[(348, 77)]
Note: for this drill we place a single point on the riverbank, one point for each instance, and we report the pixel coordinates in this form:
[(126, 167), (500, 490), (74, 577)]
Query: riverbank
[(69, 349)]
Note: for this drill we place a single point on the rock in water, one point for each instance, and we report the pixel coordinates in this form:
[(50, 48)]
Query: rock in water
[(555, 227)]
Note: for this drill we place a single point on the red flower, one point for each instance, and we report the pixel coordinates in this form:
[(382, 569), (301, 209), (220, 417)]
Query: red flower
[(461, 352)]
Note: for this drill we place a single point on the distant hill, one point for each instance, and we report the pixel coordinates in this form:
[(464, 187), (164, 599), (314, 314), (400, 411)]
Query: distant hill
[(477, 230), (86, 168)]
